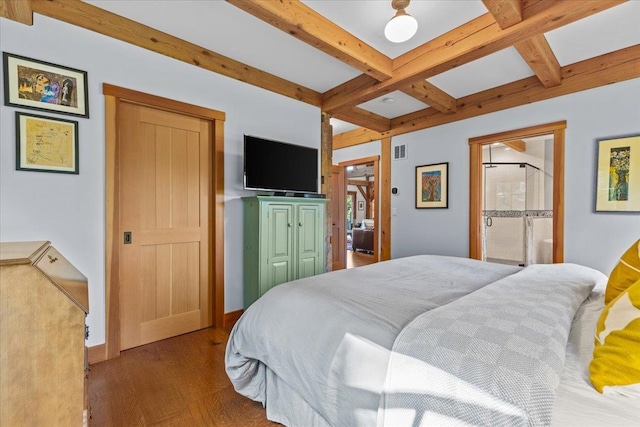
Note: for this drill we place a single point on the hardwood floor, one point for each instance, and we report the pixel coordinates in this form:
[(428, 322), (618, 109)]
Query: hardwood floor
[(179, 381), (358, 259)]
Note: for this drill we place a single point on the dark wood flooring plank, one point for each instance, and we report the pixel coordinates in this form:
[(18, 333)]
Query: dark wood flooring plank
[(112, 396)]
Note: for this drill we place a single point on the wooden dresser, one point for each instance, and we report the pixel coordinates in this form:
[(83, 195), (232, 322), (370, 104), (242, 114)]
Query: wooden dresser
[(43, 304)]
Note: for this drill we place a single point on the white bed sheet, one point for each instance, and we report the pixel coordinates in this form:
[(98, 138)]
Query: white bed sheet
[(577, 402)]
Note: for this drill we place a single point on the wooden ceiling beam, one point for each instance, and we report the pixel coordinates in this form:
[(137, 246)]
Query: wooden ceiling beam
[(84, 15), (302, 22), (602, 70), (473, 40), (518, 145), (17, 10), (505, 12), (536, 50), (541, 59), (431, 95), (364, 118)]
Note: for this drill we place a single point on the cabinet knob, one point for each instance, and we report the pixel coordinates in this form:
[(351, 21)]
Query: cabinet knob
[(300, 224), (289, 224)]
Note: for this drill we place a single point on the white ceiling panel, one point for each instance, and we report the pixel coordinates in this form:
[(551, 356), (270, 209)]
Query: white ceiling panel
[(607, 31), (229, 31), (393, 105), (340, 126), (494, 70)]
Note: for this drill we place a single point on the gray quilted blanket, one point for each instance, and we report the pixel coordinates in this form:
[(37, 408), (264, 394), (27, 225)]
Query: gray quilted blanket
[(493, 357)]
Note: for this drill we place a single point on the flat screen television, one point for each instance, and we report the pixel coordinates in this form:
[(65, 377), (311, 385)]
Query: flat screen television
[(279, 166)]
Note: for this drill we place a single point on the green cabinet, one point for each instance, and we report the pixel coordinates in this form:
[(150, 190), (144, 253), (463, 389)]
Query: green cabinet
[(283, 241)]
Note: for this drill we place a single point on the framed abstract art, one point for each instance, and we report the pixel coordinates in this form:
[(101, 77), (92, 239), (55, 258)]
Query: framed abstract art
[(432, 186), (618, 174), (46, 144), (39, 85)]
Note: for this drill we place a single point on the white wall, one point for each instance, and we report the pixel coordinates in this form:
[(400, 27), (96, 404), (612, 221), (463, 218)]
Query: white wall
[(69, 210), (593, 239)]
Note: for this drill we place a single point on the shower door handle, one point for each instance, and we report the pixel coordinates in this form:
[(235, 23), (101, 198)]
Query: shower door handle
[(489, 221)]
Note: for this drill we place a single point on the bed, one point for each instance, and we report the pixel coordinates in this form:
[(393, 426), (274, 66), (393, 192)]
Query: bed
[(427, 340)]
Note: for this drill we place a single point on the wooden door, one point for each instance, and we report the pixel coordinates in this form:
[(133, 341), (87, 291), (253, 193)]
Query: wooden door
[(338, 218), (163, 196)]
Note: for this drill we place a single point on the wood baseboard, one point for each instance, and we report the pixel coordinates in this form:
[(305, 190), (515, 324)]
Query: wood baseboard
[(231, 318), (97, 353)]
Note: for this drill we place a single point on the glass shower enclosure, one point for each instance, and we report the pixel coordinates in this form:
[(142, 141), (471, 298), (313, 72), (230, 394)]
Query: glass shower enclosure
[(518, 221)]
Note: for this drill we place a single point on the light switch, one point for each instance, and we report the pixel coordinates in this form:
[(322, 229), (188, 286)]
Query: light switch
[(394, 212)]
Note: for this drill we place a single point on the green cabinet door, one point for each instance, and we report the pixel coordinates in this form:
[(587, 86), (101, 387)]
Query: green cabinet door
[(283, 241), (310, 232), (277, 246)]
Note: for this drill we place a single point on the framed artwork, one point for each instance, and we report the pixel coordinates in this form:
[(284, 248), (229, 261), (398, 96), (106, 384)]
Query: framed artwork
[(360, 205), (618, 175), (40, 85), (432, 186), (46, 144)]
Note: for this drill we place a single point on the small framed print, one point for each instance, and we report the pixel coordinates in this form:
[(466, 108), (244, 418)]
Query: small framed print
[(432, 186), (618, 175), (39, 85), (46, 144), (360, 205)]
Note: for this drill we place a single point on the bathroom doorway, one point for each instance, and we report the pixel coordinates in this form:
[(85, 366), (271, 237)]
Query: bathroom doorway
[(516, 209), (517, 203)]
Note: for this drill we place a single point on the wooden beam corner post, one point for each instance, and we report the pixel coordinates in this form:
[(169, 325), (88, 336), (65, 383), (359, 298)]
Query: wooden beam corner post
[(326, 160)]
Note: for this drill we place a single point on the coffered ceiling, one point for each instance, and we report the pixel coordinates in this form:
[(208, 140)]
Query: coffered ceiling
[(469, 57)]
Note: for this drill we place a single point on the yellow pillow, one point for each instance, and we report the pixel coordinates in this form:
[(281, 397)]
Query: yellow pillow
[(615, 368), (624, 274)]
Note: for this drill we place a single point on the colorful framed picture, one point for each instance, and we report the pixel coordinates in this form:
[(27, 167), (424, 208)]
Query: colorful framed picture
[(432, 186), (38, 85), (618, 175), (46, 144)]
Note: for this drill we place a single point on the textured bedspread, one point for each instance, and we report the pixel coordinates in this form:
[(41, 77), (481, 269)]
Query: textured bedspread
[(316, 351), (492, 358)]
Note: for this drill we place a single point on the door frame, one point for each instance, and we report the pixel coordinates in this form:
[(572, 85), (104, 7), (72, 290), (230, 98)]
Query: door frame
[(376, 197), (114, 95), (475, 183), (355, 197), (338, 243)]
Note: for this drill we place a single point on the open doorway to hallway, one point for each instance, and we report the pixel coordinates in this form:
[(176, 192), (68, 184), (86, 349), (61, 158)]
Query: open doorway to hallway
[(360, 212)]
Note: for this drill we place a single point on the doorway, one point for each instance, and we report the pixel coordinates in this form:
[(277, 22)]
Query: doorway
[(362, 199), (165, 217), (517, 209), (517, 196)]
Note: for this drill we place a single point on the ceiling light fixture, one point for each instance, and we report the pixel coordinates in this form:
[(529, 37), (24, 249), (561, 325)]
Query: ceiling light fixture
[(402, 26)]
